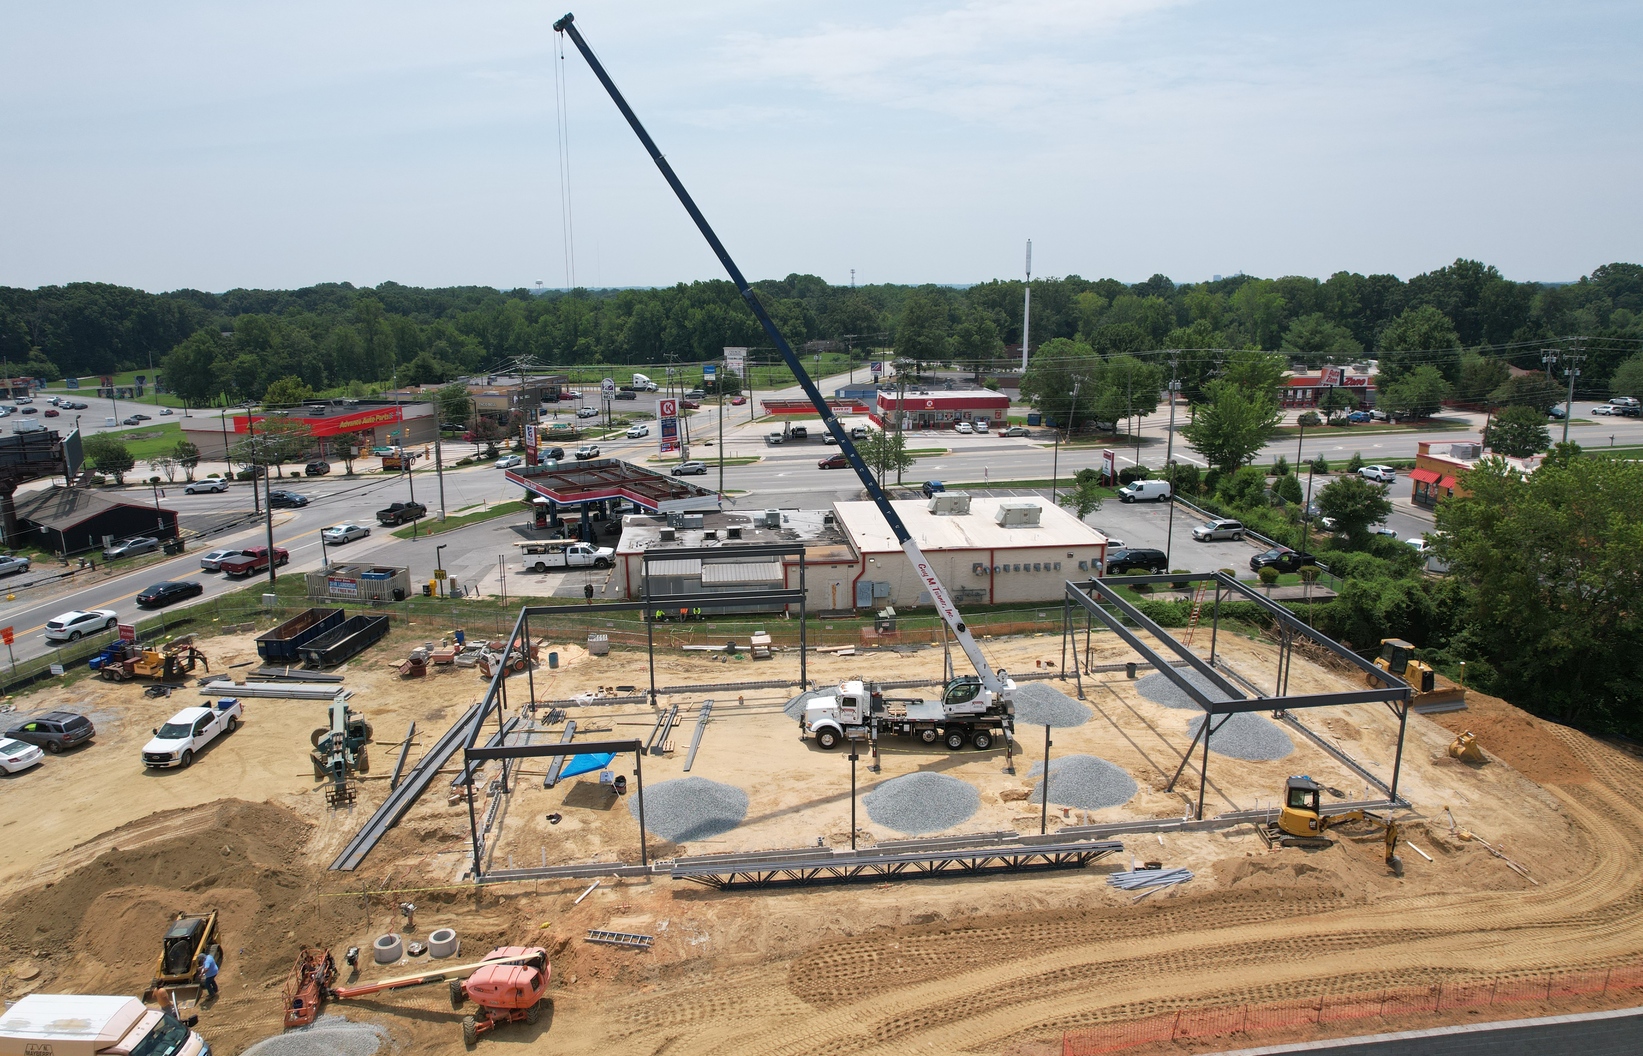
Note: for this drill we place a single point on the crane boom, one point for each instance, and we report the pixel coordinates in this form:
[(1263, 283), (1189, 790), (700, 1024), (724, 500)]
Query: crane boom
[(996, 682)]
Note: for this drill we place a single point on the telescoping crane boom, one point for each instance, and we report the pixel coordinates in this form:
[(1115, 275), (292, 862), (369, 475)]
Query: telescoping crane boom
[(994, 684)]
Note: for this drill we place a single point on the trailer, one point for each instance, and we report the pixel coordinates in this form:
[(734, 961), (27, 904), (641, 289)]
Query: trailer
[(345, 641), (284, 643)]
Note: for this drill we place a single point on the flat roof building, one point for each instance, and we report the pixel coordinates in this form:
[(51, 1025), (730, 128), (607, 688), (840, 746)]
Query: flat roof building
[(931, 409)]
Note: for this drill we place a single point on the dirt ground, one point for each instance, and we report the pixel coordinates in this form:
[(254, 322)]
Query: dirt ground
[(96, 853)]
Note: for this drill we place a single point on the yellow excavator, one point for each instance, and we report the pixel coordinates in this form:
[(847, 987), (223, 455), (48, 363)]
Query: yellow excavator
[(1398, 658), (1302, 824)]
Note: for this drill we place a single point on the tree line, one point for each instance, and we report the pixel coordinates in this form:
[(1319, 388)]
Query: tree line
[(1465, 322)]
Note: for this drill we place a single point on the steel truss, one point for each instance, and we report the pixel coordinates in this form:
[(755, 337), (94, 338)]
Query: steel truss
[(809, 867)]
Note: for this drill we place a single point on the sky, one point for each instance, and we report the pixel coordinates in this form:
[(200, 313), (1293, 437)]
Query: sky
[(188, 144)]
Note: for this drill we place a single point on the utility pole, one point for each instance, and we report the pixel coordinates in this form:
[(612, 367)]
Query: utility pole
[(1576, 358), (721, 441), (251, 444), (1027, 307), (1169, 455), (1055, 463), (1548, 357)]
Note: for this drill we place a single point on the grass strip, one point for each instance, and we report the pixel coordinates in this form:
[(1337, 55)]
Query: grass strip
[(451, 524)]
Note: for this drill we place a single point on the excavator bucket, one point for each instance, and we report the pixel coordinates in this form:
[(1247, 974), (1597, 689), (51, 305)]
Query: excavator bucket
[(1466, 749)]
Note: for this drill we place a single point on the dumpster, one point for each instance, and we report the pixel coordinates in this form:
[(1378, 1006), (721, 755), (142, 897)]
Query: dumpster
[(343, 642), (282, 644)]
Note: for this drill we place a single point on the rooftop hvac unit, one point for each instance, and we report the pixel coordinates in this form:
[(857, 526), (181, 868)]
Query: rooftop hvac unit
[(691, 520), (950, 503), (1466, 451), (667, 535), (675, 519), (733, 533), (772, 518), (1019, 514)]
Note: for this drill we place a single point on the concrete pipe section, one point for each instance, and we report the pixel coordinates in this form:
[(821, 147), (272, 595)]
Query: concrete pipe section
[(387, 949), (443, 943)]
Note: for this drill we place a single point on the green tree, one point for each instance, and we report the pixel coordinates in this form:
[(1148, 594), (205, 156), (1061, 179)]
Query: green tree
[(426, 369), (108, 455), (1535, 391), (1355, 505), (1550, 579), (1257, 373), (345, 444), (975, 342), (1336, 402), (1518, 432), (1232, 425), (1288, 488), (1054, 370), (191, 369), (1418, 394), (288, 391), (1085, 495), (1419, 336), (921, 334), (1627, 379), (1480, 375), (885, 451), (187, 456), (455, 405), (1313, 339), (1245, 488)]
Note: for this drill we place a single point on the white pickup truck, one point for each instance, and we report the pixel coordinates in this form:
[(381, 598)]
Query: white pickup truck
[(557, 553), (185, 733)]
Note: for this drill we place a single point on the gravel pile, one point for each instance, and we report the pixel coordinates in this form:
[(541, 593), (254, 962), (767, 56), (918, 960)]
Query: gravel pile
[(1083, 781), (1160, 690), (1037, 704), (921, 803), (1245, 736), (329, 1036), (691, 808), (794, 708)]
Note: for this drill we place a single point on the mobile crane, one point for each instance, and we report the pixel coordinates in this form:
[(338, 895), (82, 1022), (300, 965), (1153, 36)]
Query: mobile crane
[(987, 693)]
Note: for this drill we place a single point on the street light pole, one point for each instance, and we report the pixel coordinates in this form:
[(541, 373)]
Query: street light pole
[(1169, 455), (1055, 461), (251, 441)]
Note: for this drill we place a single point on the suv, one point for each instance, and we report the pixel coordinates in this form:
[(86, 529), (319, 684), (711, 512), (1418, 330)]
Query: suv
[(316, 469), (1147, 560), (54, 731), (1282, 558), (1218, 529), (208, 484), (1379, 474), (587, 451), (75, 623), (636, 431), (931, 487)]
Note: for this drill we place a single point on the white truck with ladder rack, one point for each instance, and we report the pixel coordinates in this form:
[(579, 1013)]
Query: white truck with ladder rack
[(971, 706)]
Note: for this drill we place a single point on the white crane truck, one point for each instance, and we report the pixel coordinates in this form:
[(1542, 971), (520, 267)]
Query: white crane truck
[(973, 708)]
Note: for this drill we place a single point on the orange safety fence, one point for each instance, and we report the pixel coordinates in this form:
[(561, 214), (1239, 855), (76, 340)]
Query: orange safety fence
[(1252, 1020)]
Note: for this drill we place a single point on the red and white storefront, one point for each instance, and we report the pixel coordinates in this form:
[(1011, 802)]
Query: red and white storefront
[(1305, 390), (940, 410)]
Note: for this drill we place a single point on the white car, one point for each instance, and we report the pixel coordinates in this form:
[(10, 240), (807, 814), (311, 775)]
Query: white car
[(344, 533), (9, 564), (964, 427), (509, 461), (212, 562), (981, 425), (16, 756), (587, 412), (164, 411), (1381, 529), (636, 431), (1379, 474), (210, 484), (75, 624), (1604, 410)]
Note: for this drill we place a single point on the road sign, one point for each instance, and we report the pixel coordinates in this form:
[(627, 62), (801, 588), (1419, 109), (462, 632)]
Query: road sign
[(607, 388), (128, 632), (6, 635), (440, 573), (877, 367), (667, 408), (709, 372)]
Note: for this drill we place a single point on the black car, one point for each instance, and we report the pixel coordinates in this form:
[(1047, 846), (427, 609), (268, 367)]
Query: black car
[(550, 454), (1147, 560), (1281, 558), (627, 394), (54, 731), (317, 469), (162, 594), (286, 500)]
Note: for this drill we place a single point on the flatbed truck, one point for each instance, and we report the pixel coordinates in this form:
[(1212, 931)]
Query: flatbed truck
[(858, 711)]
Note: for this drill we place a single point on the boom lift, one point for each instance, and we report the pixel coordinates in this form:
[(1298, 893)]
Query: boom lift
[(995, 690)]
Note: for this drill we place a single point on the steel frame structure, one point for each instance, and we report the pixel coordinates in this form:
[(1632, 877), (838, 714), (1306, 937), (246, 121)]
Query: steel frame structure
[(1113, 611), (807, 867)]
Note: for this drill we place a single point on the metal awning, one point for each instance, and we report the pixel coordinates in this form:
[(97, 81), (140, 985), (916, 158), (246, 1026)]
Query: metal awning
[(675, 567), (1447, 482), (1425, 476), (743, 572)]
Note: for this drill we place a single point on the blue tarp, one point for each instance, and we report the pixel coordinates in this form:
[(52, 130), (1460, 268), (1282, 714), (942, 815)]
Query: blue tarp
[(583, 764)]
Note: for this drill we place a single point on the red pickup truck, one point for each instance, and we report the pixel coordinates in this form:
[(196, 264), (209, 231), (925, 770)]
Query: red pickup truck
[(253, 560)]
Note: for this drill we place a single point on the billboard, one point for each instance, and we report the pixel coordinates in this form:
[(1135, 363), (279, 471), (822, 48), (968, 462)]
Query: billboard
[(736, 360)]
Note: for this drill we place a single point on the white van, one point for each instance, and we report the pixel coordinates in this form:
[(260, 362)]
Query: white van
[(1144, 491), (84, 1025), (558, 553)]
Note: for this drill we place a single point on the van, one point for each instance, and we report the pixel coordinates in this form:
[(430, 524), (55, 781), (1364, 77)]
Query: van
[(1144, 491), (83, 1025)]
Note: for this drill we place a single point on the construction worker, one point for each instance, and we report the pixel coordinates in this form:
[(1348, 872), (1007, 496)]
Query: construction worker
[(208, 976)]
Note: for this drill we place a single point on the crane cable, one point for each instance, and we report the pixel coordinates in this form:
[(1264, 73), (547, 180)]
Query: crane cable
[(561, 115)]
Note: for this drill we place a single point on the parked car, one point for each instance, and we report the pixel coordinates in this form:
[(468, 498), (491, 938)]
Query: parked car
[(210, 484), (188, 731), (54, 731), (775, 437), (587, 451), (172, 590), (587, 412), (137, 544), (76, 406), (981, 425), (316, 469), (1119, 561), (1381, 529), (549, 454), (1282, 558), (1359, 417), (31, 410), (282, 500), (1623, 401), (10, 564), (931, 487), (737, 401), (636, 431), (1014, 430), (1604, 410), (1144, 491), (164, 411), (15, 756), (829, 438), (212, 562), (837, 461), (695, 394), (1379, 474), (133, 420), (627, 394), (689, 469), (343, 533), (965, 428), (52, 412), (798, 432), (253, 560), (858, 432), (508, 462), (1220, 528), (143, 417), (1558, 413), (74, 624), (25, 399)]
